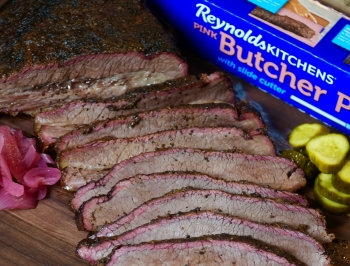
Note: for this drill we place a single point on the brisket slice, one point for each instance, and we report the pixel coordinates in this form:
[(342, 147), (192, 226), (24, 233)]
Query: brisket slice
[(223, 250), (74, 178), (275, 172), (127, 196), (104, 154), (137, 190), (45, 42), (179, 117), (284, 22), (256, 209), (52, 124), (196, 224)]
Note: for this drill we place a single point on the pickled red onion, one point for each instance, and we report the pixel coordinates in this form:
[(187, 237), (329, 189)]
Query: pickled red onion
[(37, 177), (24, 172), (27, 201)]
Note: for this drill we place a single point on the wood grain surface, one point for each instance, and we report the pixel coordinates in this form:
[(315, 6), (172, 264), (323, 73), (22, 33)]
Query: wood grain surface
[(2, 2)]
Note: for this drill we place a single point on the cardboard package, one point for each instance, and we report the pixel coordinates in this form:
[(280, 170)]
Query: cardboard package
[(296, 50)]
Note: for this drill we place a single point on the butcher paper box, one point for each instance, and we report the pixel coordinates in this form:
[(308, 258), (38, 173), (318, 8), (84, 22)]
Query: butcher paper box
[(297, 50)]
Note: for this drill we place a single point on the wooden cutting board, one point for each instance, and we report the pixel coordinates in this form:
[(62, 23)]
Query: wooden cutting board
[(47, 235)]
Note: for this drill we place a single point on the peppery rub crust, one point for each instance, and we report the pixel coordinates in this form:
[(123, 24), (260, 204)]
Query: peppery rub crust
[(78, 28)]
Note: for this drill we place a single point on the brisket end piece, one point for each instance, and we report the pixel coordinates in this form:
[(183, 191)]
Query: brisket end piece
[(197, 224), (45, 42), (285, 23), (52, 124), (224, 250), (271, 171)]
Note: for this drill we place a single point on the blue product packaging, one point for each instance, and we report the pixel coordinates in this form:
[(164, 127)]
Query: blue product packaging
[(296, 50)]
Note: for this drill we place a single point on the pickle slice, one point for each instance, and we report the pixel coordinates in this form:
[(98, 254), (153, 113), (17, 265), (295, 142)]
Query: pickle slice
[(327, 189), (299, 159), (310, 170), (302, 161), (328, 152), (302, 151), (341, 180), (303, 133), (327, 204)]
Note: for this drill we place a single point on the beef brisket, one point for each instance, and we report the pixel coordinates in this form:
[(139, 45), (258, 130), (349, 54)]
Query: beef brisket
[(223, 250), (179, 117), (76, 42), (256, 209), (275, 172), (197, 224), (52, 124), (104, 154), (284, 22), (137, 190), (130, 194), (74, 178)]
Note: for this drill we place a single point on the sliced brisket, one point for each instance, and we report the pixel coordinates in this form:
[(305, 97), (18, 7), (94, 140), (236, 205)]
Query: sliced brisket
[(220, 250), (104, 154), (275, 172), (74, 178), (52, 124), (197, 224), (131, 193), (256, 209), (179, 117), (47, 42)]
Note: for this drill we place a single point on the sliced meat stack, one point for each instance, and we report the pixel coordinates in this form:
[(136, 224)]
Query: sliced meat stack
[(91, 213), (52, 124), (264, 211), (167, 169), (160, 120), (60, 51), (177, 117), (142, 188), (275, 172), (104, 154), (163, 192)]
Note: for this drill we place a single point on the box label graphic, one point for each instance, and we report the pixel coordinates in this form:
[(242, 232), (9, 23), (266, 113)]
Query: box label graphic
[(303, 60), (343, 38), (270, 5)]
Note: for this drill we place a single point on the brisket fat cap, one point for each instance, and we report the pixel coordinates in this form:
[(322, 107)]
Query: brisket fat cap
[(44, 42), (275, 172), (214, 250), (256, 209), (196, 224)]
